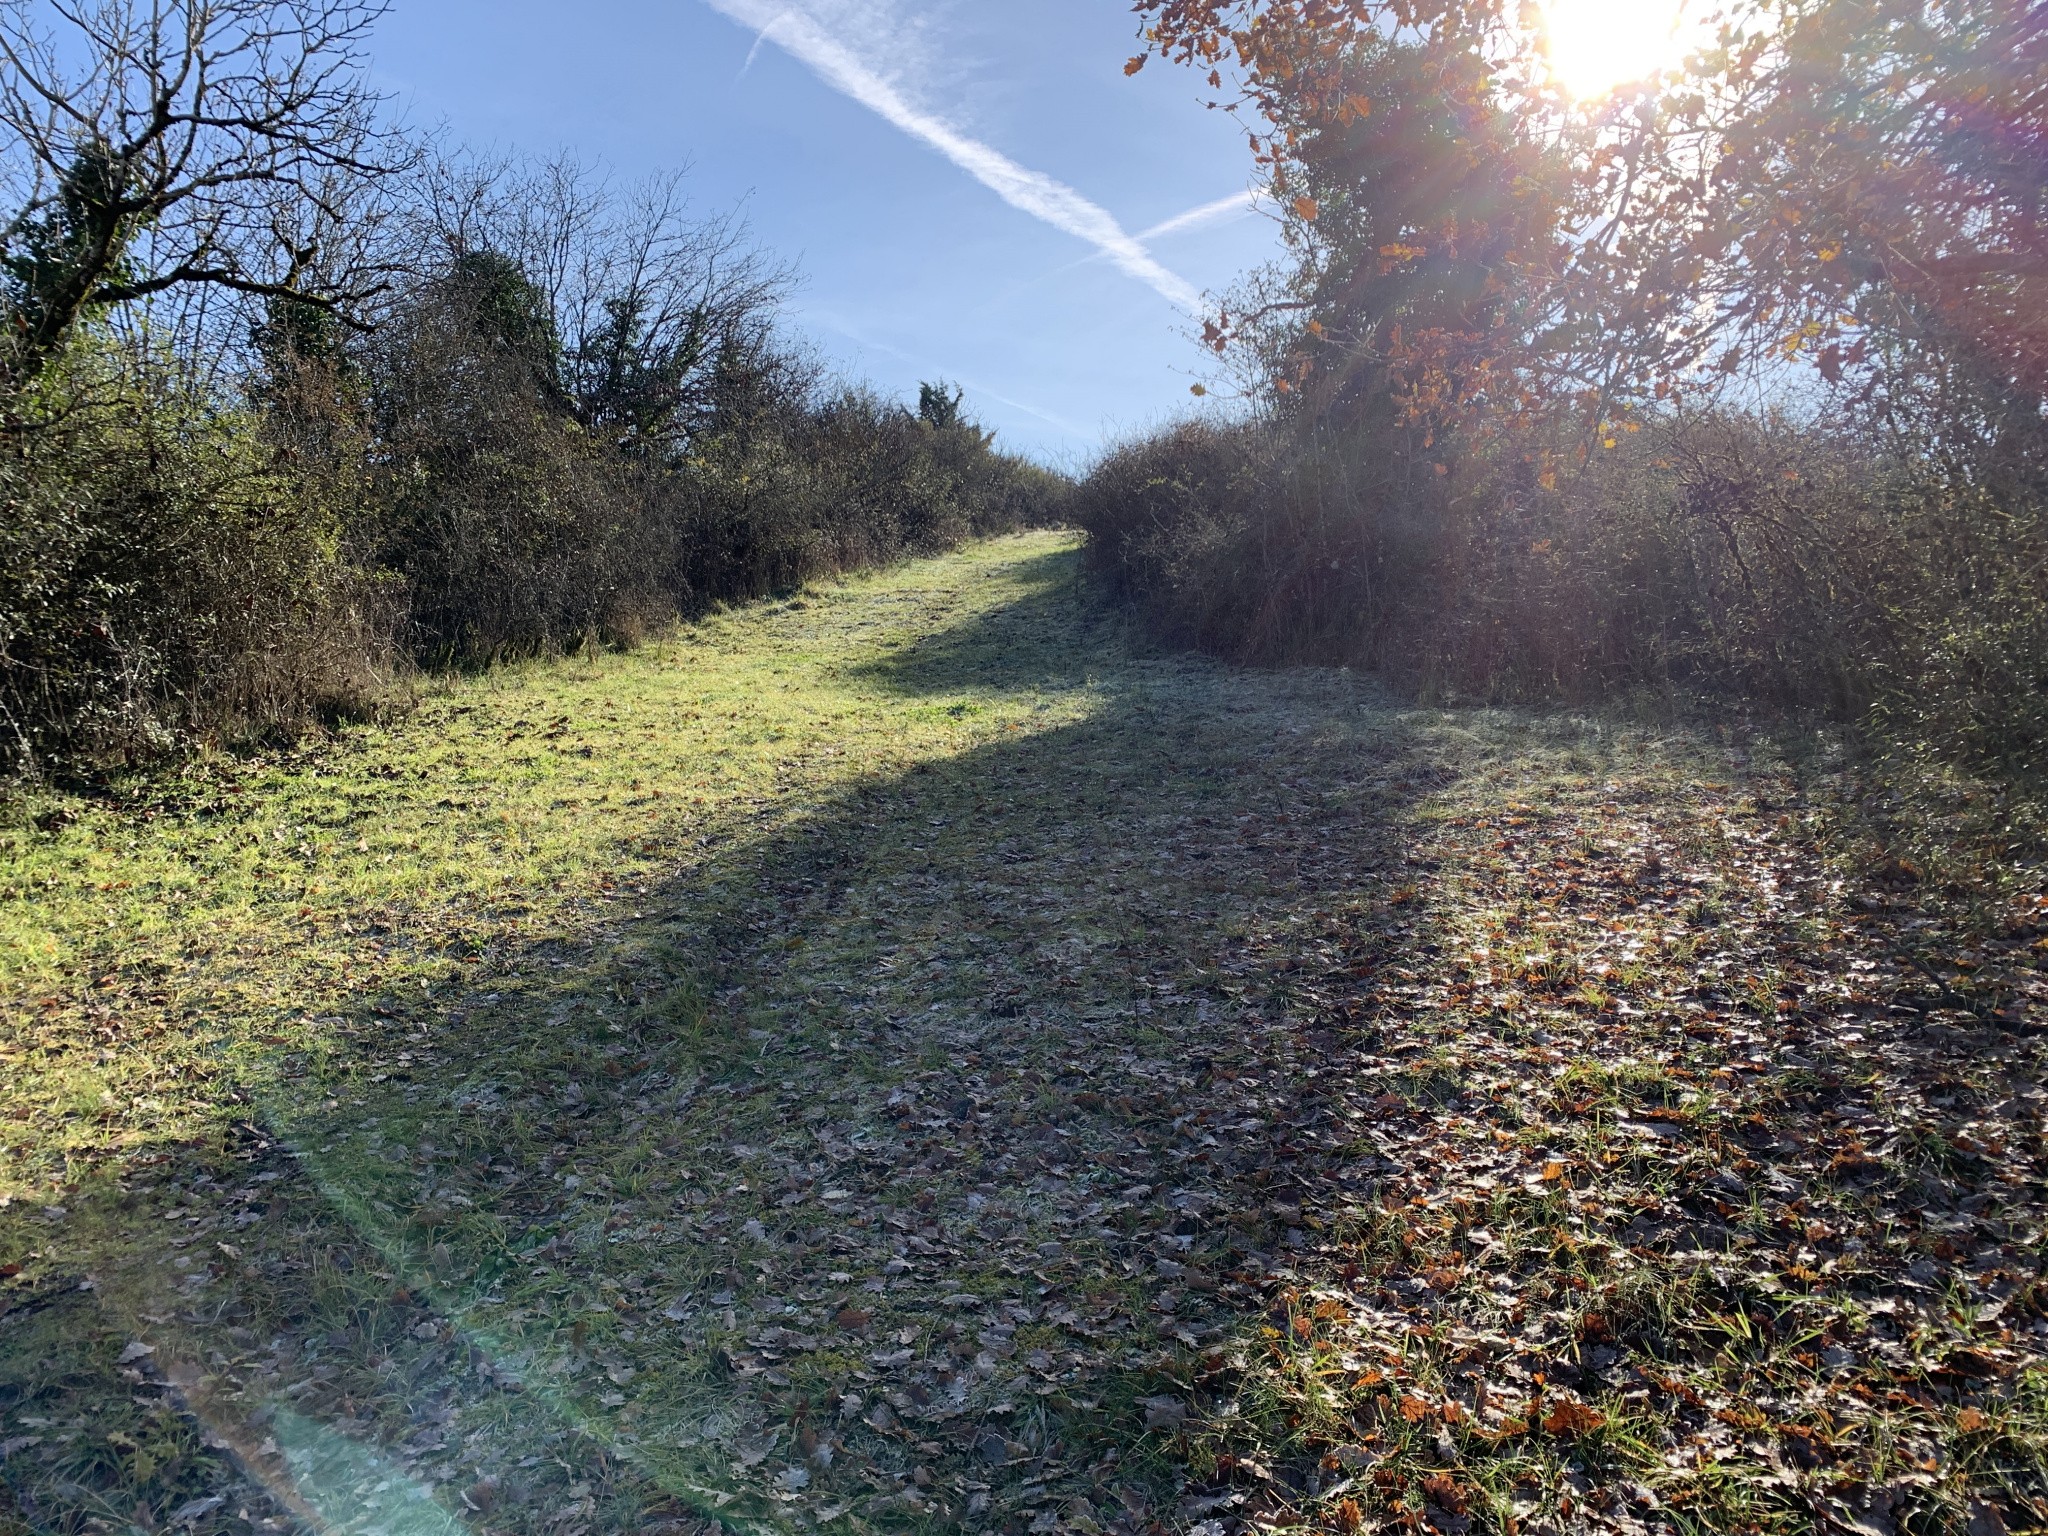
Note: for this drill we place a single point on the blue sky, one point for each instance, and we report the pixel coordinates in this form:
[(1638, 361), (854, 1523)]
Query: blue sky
[(965, 185)]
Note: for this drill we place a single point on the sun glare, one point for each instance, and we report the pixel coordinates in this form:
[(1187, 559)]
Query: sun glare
[(1598, 46)]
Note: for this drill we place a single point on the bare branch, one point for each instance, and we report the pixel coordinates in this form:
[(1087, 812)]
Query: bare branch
[(146, 146)]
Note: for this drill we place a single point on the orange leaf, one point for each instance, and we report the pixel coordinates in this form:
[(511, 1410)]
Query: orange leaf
[(1135, 65), (1414, 1409), (1970, 1420), (1307, 208), (1444, 1492), (1573, 1419)]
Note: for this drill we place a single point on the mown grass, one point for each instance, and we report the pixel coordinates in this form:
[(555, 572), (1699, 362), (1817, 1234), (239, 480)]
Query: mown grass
[(902, 1058), (262, 956), (143, 938)]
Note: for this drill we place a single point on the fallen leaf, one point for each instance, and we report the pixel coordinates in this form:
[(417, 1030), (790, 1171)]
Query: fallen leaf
[(1164, 1413), (1573, 1418)]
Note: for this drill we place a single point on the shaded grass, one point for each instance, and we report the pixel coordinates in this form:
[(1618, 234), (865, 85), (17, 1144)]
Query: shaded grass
[(278, 949), (406, 855), (1649, 1224), (930, 1066)]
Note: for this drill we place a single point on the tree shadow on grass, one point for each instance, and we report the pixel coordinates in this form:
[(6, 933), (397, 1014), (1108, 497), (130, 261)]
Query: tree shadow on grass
[(920, 1165), (1051, 639), (838, 1184)]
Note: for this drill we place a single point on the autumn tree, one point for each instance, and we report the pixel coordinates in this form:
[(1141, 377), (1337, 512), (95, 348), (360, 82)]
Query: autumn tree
[(1855, 183), (1880, 208)]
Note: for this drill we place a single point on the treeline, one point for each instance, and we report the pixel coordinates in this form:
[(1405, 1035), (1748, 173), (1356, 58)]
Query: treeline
[(317, 403), (1733, 384)]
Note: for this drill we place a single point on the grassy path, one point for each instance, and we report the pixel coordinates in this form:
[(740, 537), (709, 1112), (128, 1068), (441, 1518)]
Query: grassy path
[(906, 1059)]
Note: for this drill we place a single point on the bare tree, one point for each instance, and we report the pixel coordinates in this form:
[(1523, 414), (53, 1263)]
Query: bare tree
[(640, 296), (646, 306), (150, 146)]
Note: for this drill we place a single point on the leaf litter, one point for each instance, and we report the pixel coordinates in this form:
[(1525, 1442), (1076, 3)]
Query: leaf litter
[(1225, 1102)]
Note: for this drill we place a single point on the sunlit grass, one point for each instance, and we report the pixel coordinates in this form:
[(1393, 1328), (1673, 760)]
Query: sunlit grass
[(468, 1138), (154, 949)]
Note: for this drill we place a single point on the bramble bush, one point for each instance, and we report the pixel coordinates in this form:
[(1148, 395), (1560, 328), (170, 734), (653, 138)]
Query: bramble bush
[(1744, 558), (163, 579), (180, 566)]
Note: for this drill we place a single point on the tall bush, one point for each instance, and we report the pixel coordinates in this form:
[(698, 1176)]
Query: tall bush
[(1751, 558), (214, 532), (164, 579)]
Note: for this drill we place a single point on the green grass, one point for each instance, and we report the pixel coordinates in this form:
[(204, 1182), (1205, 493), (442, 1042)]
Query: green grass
[(355, 972), (906, 1058), (143, 940)]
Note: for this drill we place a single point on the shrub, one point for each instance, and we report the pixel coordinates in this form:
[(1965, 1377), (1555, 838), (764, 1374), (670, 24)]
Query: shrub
[(243, 560), (162, 579), (568, 418), (515, 531), (1759, 559)]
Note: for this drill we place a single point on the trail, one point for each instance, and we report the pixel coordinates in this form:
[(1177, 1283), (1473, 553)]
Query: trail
[(909, 1057)]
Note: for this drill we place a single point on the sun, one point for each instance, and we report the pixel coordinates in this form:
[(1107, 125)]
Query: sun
[(1597, 46)]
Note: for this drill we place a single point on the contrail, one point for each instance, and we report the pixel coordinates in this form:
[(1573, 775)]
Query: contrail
[(1029, 191), (1208, 213), (753, 52), (1194, 218), (924, 365)]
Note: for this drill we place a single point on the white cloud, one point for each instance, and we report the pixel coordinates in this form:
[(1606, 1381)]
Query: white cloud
[(811, 37)]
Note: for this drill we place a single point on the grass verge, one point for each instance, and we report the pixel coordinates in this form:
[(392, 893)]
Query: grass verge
[(902, 1058)]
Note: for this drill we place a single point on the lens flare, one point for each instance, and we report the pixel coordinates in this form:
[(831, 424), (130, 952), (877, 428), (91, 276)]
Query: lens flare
[(1598, 46)]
